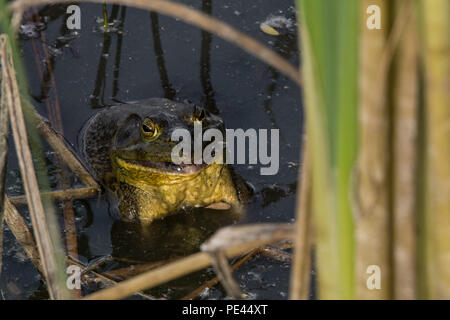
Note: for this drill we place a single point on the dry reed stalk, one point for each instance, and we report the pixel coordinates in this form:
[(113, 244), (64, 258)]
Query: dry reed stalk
[(4, 135), (301, 265), (22, 233), (133, 270), (38, 217), (436, 27), (405, 131), (61, 195), (372, 192), (375, 235), (195, 18)]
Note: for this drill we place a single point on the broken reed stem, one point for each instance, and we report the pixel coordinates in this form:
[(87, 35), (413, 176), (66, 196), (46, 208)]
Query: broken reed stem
[(276, 254), (211, 283), (224, 272), (60, 195), (4, 134), (38, 217), (192, 263), (22, 233), (198, 19), (301, 264)]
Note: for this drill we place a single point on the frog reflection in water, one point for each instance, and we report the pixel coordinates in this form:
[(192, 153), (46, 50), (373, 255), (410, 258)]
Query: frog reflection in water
[(128, 148), (174, 236)]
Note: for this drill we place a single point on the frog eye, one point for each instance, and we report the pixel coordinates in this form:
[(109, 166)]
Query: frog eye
[(199, 114), (149, 129)]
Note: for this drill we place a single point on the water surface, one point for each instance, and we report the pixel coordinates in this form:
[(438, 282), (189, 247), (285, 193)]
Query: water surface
[(150, 55)]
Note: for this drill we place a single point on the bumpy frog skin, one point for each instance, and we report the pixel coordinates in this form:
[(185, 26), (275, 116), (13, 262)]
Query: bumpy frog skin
[(128, 148)]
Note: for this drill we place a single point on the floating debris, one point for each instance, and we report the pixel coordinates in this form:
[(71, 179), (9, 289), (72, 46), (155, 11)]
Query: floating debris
[(114, 26), (276, 25), (54, 51), (31, 30), (268, 29), (68, 37)]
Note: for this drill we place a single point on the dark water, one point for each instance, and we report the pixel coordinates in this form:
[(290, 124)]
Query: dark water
[(149, 55)]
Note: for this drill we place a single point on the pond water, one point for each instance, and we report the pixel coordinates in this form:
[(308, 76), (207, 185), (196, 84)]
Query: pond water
[(150, 55)]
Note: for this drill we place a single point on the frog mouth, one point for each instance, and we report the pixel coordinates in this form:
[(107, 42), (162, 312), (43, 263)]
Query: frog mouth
[(166, 167)]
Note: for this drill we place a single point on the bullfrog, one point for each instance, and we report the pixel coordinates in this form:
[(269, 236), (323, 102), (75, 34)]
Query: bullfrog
[(127, 147)]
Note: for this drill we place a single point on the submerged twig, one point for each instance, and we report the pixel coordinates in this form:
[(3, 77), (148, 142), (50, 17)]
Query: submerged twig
[(436, 223), (373, 169)]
